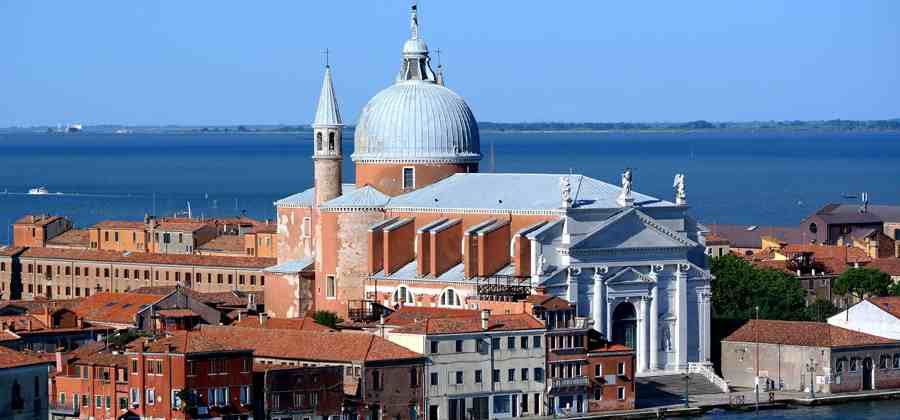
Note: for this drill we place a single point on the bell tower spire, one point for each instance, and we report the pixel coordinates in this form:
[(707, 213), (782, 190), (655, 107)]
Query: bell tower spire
[(327, 130)]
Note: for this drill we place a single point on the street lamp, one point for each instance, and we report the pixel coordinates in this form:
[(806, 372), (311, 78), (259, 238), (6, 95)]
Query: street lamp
[(811, 368)]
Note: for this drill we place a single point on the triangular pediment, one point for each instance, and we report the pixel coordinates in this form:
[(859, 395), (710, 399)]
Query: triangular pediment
[(632, 229), (629, 275)]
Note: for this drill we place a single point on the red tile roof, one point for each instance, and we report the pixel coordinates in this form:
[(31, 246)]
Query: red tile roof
[(801, 333), (13, 359), (37, 219), (268, 228), (608, 347), (72, 237), (186, 342), (320, 346), (40, 305), (406, 315), (888, 265), (176, 313), (305, 323), (150, 258), (889, 304), (549, 302), (847, 255), (21, 323), (102, 358), (230, 243), (8, 251), (515, 322), (117, 308), (120, 224), (232, 298)]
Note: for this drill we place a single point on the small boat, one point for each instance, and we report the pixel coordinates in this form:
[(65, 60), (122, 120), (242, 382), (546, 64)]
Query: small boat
[(38, 191), (74, 128)]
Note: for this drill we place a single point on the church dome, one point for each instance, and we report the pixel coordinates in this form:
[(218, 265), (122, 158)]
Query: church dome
[(416, 120)]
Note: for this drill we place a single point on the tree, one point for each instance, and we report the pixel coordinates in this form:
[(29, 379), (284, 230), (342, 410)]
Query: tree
[(862, 283), (327, 318), (739, 288), (820, 310)]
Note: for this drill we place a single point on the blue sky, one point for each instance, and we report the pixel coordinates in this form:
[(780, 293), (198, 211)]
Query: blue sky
[(230, 62)]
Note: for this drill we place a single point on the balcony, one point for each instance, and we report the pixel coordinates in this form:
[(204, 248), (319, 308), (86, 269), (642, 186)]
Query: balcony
[(69, 409), (575, 381), (503, 287), (366, 310)]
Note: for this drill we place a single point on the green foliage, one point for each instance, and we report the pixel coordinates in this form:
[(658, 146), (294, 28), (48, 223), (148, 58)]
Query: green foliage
[(862, 283), (821, 310), (327, 318), (120, 339), (739, 288)]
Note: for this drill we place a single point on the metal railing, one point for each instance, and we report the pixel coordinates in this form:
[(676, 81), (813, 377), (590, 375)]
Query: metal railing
[(67, 409), (503, 287), (705, 370), (574, 381)]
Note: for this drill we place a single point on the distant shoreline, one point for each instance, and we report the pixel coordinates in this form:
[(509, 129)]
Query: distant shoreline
[(698, 126)]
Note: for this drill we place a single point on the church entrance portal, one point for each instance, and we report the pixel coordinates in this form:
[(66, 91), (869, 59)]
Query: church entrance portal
[(624, 330)]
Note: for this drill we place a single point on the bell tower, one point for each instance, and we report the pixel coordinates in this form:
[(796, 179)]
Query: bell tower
[(327, 129)]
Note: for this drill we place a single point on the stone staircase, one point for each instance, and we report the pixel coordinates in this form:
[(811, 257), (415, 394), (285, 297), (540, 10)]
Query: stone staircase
[(654, 391)]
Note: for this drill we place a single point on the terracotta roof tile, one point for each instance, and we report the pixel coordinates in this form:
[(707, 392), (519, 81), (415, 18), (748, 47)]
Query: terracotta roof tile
[(802, 333), (549, 302), (8, 251), (840, 253), (457, 325), (21, 323), (120, 224), (186, 342), (13, 359), (232, 298), (117, 308), (888, 265), (230, 243), (72, 237), (37, 219), (406, 315), (176, 313), (889, 304), (305, 323), (322, 346), (150, 258)]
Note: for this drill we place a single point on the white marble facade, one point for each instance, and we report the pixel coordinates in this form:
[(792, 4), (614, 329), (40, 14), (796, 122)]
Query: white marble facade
[(638, 273)]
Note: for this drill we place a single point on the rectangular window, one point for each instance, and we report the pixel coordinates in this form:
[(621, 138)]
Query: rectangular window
[(598, 371), (524, 374), (620, 393), (459, 377), (219, 278), (621, 368), (495, 375), (330, 287), (524, 403), (502, 405), (434, 379), (434, 347), (230, 279), (510, 375), (598, 394), (409, 178), (245, 364), (191, 368), (511, 343), (151, 396), (98, 401), (245, 395), (495, 343), (523, 343), (538, 374), (478, 376), (116, 234), (135, 396), (459, 346)]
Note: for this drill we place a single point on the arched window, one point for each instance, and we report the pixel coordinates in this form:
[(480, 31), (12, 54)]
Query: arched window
[(449, 297), (319, 141), (813, 228), (403, 296), (331, 141)]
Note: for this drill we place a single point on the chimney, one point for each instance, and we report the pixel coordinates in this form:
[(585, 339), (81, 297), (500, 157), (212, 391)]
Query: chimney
[(485, 318)]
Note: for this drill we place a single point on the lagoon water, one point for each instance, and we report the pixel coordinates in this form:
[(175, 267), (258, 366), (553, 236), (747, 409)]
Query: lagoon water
[(870, 410), (732, 177)]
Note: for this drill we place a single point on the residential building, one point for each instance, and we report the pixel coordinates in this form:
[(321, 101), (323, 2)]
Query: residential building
[(890, 266), (37, 229), (231, 305), (836, 222), (23, 385), (751, 239), (184, 376), (480, 367), (717, 246), (878, 316), (287, 393), (381, 379), (796, 356), (585, 373)]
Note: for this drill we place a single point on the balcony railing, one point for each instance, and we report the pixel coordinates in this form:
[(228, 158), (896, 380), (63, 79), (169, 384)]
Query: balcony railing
[(366, 310), (503, 287), (575, 381), (68, 409)]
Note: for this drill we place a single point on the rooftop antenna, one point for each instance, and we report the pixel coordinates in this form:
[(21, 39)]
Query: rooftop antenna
[(326, 53)]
